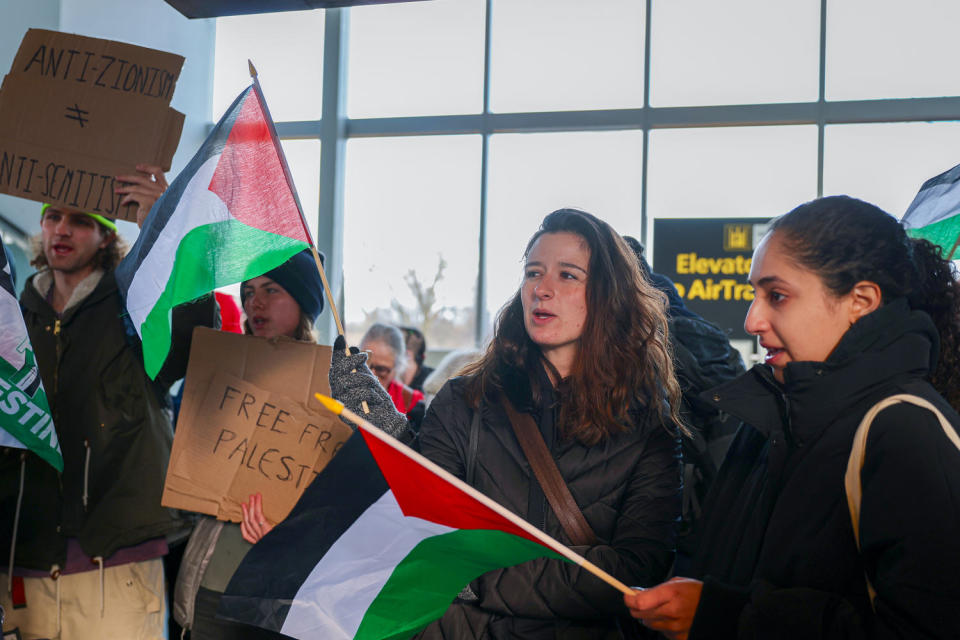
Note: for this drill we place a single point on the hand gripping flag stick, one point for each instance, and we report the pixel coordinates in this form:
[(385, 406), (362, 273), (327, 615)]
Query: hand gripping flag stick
[(337, 407)]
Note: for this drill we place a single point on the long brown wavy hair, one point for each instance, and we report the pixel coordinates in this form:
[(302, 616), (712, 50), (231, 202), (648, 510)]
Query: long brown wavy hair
[(624, 359)]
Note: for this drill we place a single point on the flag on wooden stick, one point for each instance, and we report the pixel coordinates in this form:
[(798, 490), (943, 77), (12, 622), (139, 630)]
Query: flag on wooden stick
[(378, 547), (231, 215)]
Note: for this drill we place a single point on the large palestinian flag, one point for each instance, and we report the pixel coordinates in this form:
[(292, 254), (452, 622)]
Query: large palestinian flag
[(378, 546), (231, 215), (934, 213), (25, 420)]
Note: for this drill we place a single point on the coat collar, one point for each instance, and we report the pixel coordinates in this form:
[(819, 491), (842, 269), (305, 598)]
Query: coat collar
[(888, 346)]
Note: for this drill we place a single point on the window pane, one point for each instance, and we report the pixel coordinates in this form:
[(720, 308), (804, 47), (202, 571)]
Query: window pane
[(303, 156), (287, 50), (891, 49), (551, 55), (731, 172), (737, 52), (416, 58), (410, 205), (534, 174), (887, 163)]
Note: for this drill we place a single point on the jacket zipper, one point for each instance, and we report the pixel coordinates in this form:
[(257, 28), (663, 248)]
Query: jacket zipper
[(56, 370)]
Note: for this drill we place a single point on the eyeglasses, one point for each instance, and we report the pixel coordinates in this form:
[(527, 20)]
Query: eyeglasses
[(381, 371)]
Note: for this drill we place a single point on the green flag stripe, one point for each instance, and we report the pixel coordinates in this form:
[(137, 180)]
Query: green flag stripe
[(943, 233), (28, 418), (200, 267), (408, 602)]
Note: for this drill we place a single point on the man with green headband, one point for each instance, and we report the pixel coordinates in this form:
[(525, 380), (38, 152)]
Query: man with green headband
[(87, 545)]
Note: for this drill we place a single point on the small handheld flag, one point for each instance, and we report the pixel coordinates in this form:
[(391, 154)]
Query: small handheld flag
[(378, 547)]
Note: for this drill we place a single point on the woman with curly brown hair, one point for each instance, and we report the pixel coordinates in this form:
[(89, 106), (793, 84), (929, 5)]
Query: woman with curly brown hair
[(836, 512), (580, 352)]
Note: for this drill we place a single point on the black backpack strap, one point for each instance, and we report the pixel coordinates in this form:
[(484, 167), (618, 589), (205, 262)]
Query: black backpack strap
[(473, 440)]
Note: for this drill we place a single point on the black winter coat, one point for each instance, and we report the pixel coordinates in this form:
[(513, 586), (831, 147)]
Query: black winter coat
[(628, 488), (113, 424), (778, 551)]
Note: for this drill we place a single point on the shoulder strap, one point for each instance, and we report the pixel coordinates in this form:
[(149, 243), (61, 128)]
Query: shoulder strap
[(545, 469), (852, 480)]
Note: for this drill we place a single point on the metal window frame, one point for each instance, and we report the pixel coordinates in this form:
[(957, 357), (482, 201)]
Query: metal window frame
[(335, 128)]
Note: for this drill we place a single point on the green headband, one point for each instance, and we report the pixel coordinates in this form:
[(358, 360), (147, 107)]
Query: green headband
[(106, 222)]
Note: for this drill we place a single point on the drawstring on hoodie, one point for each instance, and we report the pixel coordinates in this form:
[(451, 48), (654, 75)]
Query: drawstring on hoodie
[(16, 521), (55, 576), (86, 473), (99, 561)]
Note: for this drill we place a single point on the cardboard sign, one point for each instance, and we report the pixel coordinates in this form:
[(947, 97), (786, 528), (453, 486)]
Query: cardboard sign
[(249, 423), (75, 112)]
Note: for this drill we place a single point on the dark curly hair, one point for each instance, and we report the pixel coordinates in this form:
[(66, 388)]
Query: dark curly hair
[(845, 241), (626, 360)]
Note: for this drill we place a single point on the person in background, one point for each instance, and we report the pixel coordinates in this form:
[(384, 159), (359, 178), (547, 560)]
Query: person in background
[(703, 359), (283, 302), (851, 311), (388, 360), (581, 351), (451, 365), (86, 545), (416, 372)]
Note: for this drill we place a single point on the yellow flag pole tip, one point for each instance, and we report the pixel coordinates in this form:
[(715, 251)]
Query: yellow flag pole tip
[(253, 69), (333, 405)]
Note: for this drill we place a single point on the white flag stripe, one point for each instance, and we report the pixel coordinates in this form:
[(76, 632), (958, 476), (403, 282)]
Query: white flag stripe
[(13, 336), (333, 599), (932, 205), (197, 206)]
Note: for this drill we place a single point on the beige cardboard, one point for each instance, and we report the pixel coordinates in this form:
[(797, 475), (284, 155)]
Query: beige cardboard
[(249, 423), (75, 112)]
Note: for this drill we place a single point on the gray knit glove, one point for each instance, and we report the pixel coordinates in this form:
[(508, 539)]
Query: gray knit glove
[(352, 383)]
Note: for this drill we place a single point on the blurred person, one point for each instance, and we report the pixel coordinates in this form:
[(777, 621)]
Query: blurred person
[(388, 360), (87, 544), (703, 359), (416, 371), (851, 312), (451, 365)]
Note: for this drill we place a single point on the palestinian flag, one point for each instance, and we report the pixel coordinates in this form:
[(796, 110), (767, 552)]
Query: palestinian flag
[(25, 421), (231, 215), (935, 213), (378, 546)]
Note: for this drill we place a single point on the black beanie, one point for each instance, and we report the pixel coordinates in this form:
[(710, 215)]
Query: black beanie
[(299, 276)]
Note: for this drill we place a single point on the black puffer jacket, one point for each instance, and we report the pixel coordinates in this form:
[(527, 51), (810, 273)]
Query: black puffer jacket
[(113, 425), (778, 552), (628, 488)]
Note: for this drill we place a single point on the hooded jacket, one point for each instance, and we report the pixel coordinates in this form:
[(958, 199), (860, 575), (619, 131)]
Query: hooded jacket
[(628, 487), (113, 423), (778, 552)]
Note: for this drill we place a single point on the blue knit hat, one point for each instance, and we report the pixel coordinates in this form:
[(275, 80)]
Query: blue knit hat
[(299, 276)]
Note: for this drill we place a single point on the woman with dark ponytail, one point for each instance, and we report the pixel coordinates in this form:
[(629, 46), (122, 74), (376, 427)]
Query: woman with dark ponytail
[(836, 513)]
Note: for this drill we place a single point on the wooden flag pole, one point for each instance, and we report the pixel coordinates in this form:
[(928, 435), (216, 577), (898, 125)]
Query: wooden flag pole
[(337, 407), (296, 199), (954, 249)]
